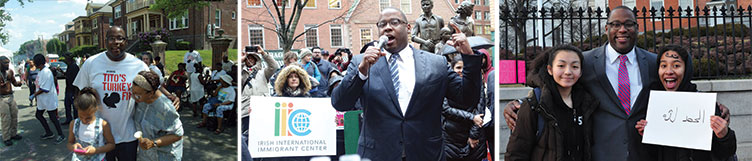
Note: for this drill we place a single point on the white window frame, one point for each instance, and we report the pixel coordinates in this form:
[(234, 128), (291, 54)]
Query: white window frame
[(388, 4), (233, 15), (478, 15), (317, 35), (134, 27), (118, 11), (406, 6), (331, 35), (658, 13), (330, 6), (629, 3), (94, 23), (684, 5), (218, 18), (182, 19), (370, 34), (255, 27)]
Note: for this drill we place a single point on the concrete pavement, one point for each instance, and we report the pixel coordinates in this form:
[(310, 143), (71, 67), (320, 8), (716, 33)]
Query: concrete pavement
[(198, 144)]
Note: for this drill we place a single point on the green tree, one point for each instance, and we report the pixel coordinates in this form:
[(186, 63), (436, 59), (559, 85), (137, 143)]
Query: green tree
[(56, 46), (26, 48), (85, 50), (177, 8), (5, 17)]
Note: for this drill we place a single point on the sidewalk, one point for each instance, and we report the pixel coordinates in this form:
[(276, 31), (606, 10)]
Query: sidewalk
[(198, 144)]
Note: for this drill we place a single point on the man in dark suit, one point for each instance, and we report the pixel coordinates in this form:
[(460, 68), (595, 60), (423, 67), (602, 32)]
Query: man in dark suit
[(402, 89), (620, 76)]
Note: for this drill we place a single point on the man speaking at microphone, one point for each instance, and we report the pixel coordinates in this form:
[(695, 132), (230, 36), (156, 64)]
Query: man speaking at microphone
[(401, 90)]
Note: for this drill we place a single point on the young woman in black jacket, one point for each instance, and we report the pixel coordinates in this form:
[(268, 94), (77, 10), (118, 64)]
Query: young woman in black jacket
[(564, 106)]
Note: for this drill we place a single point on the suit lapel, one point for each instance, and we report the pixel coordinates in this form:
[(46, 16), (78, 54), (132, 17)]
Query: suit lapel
[(421, 74), (644, 76), (600, 71), (382, 68)]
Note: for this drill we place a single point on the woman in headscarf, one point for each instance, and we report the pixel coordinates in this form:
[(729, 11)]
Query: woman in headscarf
[(675, 73)]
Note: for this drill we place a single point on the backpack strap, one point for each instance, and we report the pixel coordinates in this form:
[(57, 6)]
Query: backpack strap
[(539, 130)]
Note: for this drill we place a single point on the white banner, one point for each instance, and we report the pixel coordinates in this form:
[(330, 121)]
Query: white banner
[(285, 126), (680, 119)]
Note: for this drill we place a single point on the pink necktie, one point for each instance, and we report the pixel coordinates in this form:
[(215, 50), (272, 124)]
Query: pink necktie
[(624, 96)]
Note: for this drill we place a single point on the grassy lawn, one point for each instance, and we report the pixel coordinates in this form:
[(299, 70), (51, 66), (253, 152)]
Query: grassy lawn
[(176, 56)]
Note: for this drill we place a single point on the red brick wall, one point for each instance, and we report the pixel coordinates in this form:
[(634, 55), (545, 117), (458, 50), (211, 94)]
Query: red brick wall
[(364, 16), (198, 20), (658, 24)]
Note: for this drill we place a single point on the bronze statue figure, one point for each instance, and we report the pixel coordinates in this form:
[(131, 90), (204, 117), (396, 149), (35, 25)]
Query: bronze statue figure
[(427, 26)]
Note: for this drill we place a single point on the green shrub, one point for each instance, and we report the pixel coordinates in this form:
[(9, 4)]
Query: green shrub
[(646, 41), (183, 45), (85, 50), (705, 67), (732, 29)]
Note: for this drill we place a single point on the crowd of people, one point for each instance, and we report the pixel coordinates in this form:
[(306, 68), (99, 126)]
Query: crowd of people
[(455, 132), (120, 105), (592, 105)]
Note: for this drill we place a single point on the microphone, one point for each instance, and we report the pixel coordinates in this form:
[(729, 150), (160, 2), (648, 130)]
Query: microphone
[(382, 41)]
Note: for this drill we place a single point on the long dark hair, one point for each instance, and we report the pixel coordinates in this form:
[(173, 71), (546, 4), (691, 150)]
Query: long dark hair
[(538, 75)]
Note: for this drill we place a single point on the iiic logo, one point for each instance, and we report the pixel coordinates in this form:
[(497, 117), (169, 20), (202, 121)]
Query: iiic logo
[(291, 122)]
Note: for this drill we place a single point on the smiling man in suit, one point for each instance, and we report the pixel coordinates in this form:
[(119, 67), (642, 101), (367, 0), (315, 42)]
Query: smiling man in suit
[(402, 89), (620, 75)]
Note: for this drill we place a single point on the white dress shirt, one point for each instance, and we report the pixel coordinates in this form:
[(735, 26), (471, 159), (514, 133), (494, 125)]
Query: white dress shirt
[(406, 68), (612, 72)]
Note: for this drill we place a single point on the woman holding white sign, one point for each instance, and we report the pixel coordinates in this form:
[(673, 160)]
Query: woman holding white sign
[(554, 121), (675, 74)]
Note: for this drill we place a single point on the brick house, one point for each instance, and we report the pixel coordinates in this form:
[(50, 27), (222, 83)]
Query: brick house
[(82, 30), (68, 36), (196, 25), (118, 14), (358, 28), (100, 16)]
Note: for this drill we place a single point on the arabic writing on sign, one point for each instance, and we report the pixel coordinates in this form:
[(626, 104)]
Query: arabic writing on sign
[(672, 114)]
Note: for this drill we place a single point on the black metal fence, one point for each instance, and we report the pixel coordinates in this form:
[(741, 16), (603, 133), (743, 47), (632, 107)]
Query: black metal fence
[(718, 37)]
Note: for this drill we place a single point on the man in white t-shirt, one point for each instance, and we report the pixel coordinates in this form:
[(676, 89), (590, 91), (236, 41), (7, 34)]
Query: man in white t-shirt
[(46, 95), (111, 73)]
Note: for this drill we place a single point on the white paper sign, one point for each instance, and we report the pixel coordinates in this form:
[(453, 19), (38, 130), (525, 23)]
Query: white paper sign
[(680, 119), (284, 126)]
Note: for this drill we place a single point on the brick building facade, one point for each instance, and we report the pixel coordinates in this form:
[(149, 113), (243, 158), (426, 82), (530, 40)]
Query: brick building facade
[(195, 26), (357, 28)]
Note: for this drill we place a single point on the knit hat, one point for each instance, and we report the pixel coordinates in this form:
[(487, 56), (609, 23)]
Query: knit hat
[(305, 52)]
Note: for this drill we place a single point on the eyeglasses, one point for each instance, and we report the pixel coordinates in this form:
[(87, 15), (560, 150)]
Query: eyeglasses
[(116, 39), (629, 25), (393, 22)]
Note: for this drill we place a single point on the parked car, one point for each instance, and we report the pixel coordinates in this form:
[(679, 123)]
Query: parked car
[(58, 68)]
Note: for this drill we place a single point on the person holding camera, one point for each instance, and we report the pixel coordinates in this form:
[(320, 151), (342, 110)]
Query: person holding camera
[(255, 78)]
